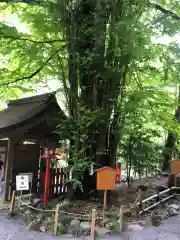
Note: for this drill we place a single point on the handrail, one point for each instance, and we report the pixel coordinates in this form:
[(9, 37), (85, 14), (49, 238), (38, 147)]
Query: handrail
[(155, 204), (157, 195)]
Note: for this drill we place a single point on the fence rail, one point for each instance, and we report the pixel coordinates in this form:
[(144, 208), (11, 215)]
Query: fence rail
[(55, 212), (158, 200)]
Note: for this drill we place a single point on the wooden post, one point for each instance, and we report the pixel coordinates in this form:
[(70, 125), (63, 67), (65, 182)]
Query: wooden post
[(9, 166), (121, 220), (56, 219), (105, 203), (12, 203), (46, 187), (93, 224)]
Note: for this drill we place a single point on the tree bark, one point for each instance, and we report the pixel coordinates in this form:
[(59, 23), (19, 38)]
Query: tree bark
[(96, 81)]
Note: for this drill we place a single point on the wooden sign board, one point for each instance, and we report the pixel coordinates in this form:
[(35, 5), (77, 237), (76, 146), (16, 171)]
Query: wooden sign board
[(106, 178), (175, 167)]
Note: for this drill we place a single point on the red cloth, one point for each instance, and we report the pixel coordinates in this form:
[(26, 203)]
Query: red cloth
[(118, 175)]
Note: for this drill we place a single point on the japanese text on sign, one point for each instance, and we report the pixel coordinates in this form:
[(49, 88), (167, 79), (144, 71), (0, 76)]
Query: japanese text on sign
[(22, 183)]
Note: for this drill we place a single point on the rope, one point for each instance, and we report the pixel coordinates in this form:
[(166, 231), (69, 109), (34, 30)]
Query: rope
[(76, 214), (133, 205), (52, 210), (34, 208)]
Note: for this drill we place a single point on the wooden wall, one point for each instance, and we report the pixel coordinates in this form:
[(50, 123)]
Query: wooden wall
[(26, 160)]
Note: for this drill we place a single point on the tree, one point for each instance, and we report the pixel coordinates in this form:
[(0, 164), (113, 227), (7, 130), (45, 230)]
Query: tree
[(93, 48), (141, 138)]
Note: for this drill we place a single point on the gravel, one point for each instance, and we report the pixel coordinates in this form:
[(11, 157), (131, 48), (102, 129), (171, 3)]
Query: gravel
[(15, 229)]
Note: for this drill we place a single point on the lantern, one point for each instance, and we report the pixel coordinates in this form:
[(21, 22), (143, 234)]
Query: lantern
[(48, 152), (51, 152)]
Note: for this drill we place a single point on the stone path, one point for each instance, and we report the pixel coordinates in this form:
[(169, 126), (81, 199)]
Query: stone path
[(168, 230), (15, 230)]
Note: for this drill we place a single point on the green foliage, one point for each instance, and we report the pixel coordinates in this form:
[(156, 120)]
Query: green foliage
[(148, 107), (141, 149), (115, 77)]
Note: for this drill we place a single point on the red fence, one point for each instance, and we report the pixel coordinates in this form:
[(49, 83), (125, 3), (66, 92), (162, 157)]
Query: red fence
[(57, 184)]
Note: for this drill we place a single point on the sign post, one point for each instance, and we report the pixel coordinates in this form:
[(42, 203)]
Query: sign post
[(105, 202), (106, 180)]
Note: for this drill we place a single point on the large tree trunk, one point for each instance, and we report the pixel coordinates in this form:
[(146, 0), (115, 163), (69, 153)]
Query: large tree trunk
[(97, 76)]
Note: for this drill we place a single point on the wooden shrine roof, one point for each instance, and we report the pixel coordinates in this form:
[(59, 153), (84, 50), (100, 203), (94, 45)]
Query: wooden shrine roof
[(21, 110)]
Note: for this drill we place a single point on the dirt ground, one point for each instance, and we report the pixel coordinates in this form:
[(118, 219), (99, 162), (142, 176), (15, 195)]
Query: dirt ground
[(126, 196), (123, 196)]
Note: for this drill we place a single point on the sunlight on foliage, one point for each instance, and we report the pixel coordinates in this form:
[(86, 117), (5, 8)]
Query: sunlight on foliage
[(118, 82)]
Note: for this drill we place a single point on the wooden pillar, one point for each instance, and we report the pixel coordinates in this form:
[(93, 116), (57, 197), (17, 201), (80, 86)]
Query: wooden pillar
[(9, 167), (46, 187)]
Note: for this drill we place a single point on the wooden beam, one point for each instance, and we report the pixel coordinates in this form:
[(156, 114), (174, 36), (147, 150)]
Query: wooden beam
[(9, 167)]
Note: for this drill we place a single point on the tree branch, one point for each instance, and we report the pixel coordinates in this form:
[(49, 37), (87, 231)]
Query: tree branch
[(34, 73), (31, 40), (167, 12)]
